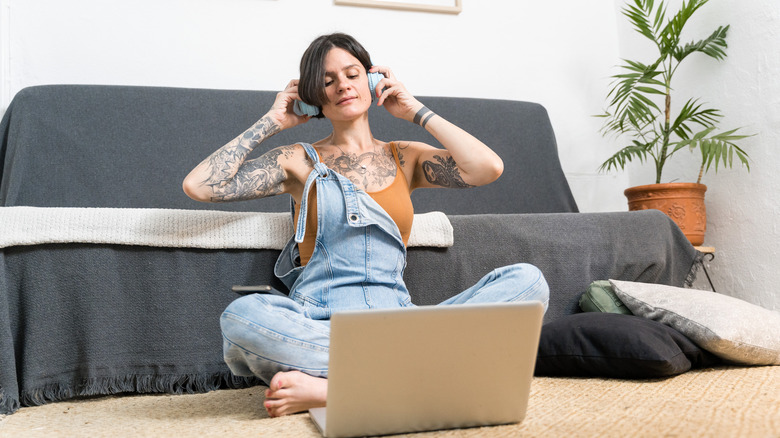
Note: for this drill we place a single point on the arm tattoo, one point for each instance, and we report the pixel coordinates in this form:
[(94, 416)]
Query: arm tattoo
[(255, 179), (445, 173), (231, 179)]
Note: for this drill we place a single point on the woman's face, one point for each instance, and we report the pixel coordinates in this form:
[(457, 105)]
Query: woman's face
[(346, 86)]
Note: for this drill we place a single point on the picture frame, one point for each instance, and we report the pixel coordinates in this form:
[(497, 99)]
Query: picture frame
[(436, 6)]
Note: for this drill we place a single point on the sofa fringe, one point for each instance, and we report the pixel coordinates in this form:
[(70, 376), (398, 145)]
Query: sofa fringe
[(169, 384), (697, 263), (8, 405)]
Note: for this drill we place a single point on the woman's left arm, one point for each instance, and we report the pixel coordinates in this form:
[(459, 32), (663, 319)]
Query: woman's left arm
[(465, 161)]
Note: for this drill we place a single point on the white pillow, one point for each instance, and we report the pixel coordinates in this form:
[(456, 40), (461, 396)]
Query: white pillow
[(732, 329)]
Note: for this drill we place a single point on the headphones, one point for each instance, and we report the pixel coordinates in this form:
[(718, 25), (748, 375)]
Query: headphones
[(304, 109)]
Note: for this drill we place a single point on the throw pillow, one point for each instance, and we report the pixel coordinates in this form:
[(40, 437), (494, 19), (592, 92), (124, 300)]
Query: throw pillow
[(615, 345), (600, 297), (733, 329)]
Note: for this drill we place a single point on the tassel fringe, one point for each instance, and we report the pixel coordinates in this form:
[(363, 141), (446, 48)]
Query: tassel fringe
[(144, 384), (697, 263)]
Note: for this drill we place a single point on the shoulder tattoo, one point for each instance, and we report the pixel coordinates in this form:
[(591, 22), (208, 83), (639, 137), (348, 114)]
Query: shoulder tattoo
[(400, 148)]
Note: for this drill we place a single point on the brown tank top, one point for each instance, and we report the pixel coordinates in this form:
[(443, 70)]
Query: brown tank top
[(395, 199)]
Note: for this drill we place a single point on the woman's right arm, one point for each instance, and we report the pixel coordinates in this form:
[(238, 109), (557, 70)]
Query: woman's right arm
[(226, 175)]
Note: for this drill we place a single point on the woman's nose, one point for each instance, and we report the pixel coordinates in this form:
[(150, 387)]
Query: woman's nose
[(344, 85)]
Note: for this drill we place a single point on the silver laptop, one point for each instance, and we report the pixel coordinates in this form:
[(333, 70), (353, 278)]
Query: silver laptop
[(429, 368)]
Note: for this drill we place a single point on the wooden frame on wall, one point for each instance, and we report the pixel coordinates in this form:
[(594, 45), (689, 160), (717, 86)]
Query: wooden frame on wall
[(411, 5)]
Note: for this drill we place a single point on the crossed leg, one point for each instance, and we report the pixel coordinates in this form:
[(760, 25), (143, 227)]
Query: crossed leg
[(271, 337), (253, 325)]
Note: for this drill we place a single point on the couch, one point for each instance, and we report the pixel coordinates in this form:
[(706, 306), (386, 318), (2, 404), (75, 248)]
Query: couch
[(82, 317)]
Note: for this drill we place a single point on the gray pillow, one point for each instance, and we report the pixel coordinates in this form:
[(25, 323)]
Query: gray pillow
[(730, 328)]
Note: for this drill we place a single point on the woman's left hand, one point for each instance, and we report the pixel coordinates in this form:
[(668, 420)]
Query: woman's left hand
[(394, 96)]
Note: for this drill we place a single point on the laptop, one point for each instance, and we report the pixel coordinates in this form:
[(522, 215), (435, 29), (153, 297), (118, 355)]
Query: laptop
[(429, 368)]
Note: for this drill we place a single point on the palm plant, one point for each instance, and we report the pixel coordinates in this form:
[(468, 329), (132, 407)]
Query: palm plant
[(633, 109)]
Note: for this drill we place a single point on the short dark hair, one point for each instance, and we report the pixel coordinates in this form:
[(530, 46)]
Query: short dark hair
[(311, 87)]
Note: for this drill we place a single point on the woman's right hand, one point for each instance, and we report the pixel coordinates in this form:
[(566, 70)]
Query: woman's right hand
[(281, 111)]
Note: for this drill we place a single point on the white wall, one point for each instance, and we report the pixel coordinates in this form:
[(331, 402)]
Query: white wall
[(559, 53), (5, 52)]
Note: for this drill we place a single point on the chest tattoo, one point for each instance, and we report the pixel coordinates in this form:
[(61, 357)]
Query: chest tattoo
[(370, 171)]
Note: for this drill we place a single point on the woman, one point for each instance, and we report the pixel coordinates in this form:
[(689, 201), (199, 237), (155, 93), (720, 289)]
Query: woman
[(353, 216)]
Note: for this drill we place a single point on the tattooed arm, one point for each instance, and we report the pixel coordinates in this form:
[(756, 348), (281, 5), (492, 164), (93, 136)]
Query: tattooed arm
[(226, 175), (465, 161)]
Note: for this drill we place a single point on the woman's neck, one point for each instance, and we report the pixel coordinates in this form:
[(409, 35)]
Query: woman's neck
[(354, 136)]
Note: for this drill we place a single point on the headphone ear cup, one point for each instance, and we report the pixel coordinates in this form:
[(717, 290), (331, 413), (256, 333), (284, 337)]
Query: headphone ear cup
[(304, 109), (373, 80)]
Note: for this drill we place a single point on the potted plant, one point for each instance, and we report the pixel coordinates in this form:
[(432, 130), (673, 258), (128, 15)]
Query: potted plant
[(640, 107)]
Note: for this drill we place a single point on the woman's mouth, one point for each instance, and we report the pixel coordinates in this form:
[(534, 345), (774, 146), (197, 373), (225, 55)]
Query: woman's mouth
[(346, 100)]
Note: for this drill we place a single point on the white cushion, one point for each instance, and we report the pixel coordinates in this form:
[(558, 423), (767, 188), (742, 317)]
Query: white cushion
[(158, 227), (733, 329)]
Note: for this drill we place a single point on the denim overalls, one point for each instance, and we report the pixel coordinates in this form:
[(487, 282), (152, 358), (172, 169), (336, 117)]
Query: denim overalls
[(357, 263)]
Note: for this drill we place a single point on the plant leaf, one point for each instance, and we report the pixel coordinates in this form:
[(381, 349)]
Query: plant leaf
[(625, 155), (692, 112), (638, 14), (650, 90), (713, 46), (718, 149)]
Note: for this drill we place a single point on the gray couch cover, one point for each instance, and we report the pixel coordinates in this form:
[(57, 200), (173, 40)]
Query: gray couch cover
[(84, 319)]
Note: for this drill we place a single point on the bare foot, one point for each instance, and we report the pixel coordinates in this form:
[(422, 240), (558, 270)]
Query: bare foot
[(293, 391)]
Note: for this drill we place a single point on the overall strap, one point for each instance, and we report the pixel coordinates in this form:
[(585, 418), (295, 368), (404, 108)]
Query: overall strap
[(320, 169)]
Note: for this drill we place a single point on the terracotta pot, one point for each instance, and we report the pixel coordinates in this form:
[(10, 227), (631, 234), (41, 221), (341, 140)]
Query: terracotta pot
[(683, 202)]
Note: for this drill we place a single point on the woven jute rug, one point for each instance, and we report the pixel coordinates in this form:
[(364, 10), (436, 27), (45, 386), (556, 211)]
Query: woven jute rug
[(719, 402)]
